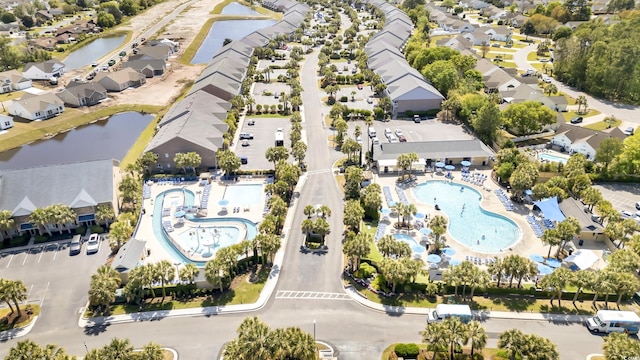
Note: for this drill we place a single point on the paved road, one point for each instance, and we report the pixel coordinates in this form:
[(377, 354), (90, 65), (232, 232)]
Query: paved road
[(626, 113)]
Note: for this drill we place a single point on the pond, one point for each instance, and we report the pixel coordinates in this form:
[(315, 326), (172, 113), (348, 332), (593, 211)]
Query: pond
[(92, 52), (226, 29), (237, 9), (107, 139)]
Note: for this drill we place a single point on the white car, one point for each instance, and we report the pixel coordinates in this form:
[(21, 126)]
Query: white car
[(546, 79), (393, 139), (375, 141), (399, 132), (359, 140), (93, 245), (628, 131), (387, 132), (626, 214)]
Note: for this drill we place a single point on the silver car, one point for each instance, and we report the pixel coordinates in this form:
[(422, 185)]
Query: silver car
[(93, 245)]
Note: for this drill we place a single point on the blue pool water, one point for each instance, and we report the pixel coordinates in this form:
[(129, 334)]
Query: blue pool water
[(415, 246), (552, 158), (228, 234), (208, 239), (469, 224), (244, 194)]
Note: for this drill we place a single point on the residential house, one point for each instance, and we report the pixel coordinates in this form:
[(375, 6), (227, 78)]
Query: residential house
[(44, 15), (590, 229), (478, 37), (458, 43), (13, 80), (474, 4), (43, 70), (148, 68), (500, 33), (78, 94), (573, 25), (157, 52), (82, 186), (129, 256), (196, 123), (6, 122), (37, 107), (526, 92), (46, 43), (517, 21), (495, 78), (120, 80), (9, 29), (577, 139), (494, 12)]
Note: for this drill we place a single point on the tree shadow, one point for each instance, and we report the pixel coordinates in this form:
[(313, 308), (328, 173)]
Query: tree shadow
[(96, 329)]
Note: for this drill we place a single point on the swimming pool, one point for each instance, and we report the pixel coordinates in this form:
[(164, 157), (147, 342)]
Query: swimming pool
[(415, 246), (244, 194), (552, 158), (469, 224), (229, 229)]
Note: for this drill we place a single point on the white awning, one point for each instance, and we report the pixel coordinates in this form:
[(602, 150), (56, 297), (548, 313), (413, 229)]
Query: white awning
[(394, 162), (582, 259)]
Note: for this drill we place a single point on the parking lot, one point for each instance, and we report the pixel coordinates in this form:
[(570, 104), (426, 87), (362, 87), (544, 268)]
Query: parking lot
[(54, 279), (426, 130), (263, 138), (621, 196), (360, 97)]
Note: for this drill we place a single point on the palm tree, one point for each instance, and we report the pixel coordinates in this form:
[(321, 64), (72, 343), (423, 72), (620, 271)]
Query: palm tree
[(28, 349), (16, 292), (41, 217), (357, 247), (307, 228), (165, 272), (407, 210), (434, 334), (556, 282), (269, 245), (323, 211), (479, 278), (104, 213), (6, 223), (118, 349), (477, 335), (322, 228), (309, 210), (581, 282), (497, 269), (513, 341), (455, 333), (620, 346), (214, 273), (188, 273), (625, 284), (438, 225), (552, 238)]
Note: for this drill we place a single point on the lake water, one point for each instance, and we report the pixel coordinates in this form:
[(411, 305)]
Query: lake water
[(92, 52), (226, 29), (108, 139), (237, 9)]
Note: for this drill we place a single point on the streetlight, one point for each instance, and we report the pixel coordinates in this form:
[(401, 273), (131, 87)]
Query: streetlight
[(85, 347), (314, 329), (177, 264)]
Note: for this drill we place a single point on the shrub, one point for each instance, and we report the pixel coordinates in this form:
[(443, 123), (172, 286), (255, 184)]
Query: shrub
[(407, 350), (334, 56), (41, 238), (344, 99), (97, 229), (80, 230), (365, 271)]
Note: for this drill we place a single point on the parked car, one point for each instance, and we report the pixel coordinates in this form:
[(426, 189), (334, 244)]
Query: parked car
[(628, 131), (93, 245), (398, 132), (375, 141), (544, 60), (244, 160), (251, 122), (369, 100), (638, 205), (547, 80), (359, 140), (246, 136), (387, 133), (111, 62), (75, 246), (626, 214), (401, 138), (245, 143), (359, 86), (416, 119), (576, 120), (393, 139)]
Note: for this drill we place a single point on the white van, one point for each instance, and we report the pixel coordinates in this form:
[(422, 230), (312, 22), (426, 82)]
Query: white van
[(443, 311), (372, 132), (608, 321)]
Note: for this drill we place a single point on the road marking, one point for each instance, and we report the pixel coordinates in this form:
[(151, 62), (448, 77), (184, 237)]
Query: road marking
[(26, 255), (45, 294), (11, 258), (40, 257), (320, 171), (311, 295), (29, 293)]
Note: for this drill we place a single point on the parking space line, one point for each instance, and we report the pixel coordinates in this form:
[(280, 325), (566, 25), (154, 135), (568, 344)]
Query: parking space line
[(55, 253), (40, 257), (28, 293), (45, 294), (11, 258), (26, 255)]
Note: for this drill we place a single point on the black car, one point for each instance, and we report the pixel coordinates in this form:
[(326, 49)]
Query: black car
[(251, 122), (576, 120), (416, 119)]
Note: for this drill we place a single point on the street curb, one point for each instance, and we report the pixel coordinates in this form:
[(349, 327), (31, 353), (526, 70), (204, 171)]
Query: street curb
[(18, 332)]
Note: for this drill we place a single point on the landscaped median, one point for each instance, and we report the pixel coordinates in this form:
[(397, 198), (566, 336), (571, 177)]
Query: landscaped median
[(12, 322)]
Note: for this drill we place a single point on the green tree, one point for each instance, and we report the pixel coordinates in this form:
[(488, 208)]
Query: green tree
[(299, 151), (556, 282), (151, 351), (6, 223), (341, 128), (609, 150), (119, 233), (16, 291), (523, 177), (102, 288), (214, 273), (118, 349), (353, 214), (228, 161), (619, 346), (438, 226), (552, 238), (487, 122), (28, 349), (104, 214), (513, 341), (42, 217), (477, 336), (357, 247), (187, 160), (165, 273), (528, 117), (275, 154), (434, 335)]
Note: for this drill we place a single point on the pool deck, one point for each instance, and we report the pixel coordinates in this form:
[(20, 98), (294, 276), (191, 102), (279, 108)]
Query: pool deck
[(254, 213), (528, 244)]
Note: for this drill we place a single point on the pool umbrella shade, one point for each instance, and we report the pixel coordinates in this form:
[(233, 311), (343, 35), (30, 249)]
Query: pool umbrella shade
[(434, 259), (544, 269), (450, 167), (537, 258), (419, 215), (454, 262), (179, 214), (223, 202), (425, 231), (385, 211), (465, 163), (448, 251), (553, 263), (440, 164)]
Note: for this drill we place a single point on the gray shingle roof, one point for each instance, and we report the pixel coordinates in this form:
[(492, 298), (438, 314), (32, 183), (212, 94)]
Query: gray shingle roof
[(571, 207), (129, 255), (78, 183), (434, 149)]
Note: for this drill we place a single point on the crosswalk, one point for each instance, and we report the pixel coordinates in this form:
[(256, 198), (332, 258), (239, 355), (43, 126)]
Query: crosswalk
[(319, 171), (311, 295)]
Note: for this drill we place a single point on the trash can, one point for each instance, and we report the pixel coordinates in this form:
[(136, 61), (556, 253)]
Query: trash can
[(581, 242), (570, 251)]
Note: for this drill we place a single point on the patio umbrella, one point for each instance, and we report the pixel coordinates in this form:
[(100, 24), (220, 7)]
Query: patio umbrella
[(434, 259), (450, 167), (425, 231), (419, 216), (465, 163), (440, 164), (454, 262), (385, 211), (179, 214), (223, 202), (544, 269), (537, 258), (554, 263), (448, 251)]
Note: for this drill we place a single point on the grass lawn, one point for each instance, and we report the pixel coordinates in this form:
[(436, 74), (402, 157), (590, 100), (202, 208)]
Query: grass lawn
[(435, 39), (487, 353), (570, 100), (508, 64), (25, 131), (241, 292), (167, 355), (601, 125), (493, 55), (9, 320), (267, 116), (571, 114)]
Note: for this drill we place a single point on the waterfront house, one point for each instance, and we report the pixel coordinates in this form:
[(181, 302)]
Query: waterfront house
[(120, 80), (82, 186), (149, 68), (196, 123), (13, 80), (37, 107), (6, 122), (78, 94), (43, 70)]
